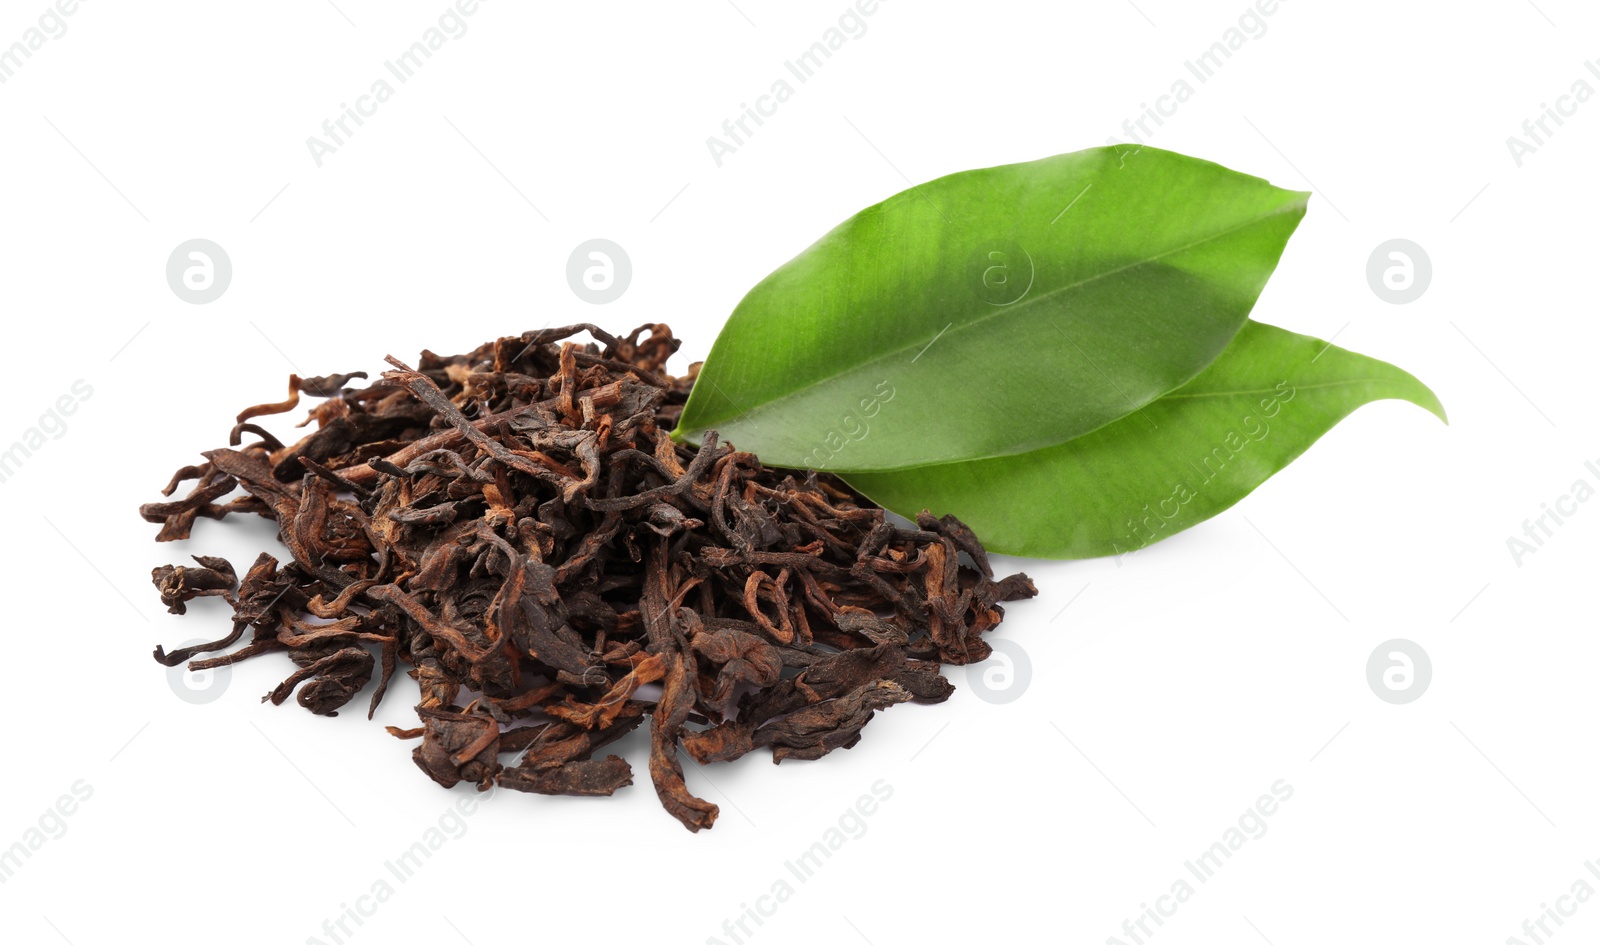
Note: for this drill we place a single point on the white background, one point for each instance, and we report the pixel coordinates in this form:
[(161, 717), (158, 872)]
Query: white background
[(1178, 685)]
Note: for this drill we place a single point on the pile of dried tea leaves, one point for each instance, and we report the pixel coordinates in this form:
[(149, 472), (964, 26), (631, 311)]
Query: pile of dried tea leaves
[(517, 526)]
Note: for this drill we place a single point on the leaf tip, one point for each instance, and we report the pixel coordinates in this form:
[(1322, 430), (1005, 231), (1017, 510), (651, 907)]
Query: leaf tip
[(1429, 401), (1438, 411)]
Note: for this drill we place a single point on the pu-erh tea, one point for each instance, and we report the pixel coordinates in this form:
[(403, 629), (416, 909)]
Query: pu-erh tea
[(516, 526)]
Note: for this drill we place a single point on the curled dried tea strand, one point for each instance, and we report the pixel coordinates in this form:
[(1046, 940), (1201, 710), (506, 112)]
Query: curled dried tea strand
[(515, 526)]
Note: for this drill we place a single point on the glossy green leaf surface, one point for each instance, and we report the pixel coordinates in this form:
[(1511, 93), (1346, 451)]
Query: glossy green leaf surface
[(994, 311), (1167, 467)]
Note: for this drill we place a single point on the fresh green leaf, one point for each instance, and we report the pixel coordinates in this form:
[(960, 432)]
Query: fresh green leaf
[(1171, 465), (994, 311)]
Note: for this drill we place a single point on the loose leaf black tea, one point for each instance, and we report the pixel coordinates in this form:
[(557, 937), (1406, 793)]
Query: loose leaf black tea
[(517, 526)]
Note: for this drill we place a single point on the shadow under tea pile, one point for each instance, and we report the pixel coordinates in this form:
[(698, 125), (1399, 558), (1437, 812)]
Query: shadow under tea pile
[(517, 526)]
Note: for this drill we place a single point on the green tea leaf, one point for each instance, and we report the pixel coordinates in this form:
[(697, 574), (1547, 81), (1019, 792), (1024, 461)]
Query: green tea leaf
[(994, 311), (1171, 465)]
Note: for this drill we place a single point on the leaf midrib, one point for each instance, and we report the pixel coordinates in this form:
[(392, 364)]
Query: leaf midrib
[(1005, 309), (1217, 395), (1175, 395)]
